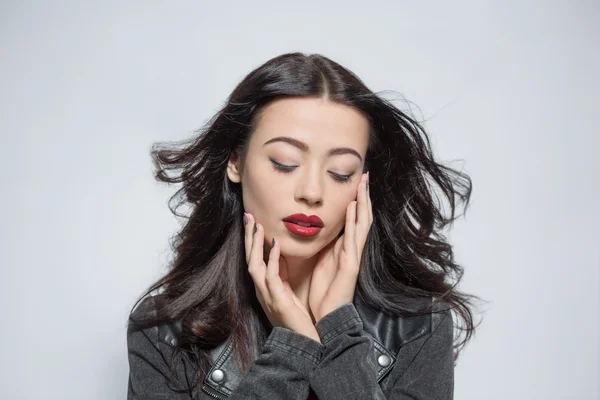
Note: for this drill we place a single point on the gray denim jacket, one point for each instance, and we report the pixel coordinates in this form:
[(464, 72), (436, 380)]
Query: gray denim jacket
[(364, 354)]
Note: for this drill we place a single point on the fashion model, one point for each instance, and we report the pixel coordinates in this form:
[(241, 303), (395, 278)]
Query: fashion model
[(311, 262)]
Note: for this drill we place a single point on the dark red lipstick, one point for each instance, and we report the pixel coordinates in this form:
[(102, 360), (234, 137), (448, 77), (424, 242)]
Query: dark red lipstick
[(303, 225)]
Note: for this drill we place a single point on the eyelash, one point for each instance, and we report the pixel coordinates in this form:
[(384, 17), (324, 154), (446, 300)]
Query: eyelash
[(288, 168)]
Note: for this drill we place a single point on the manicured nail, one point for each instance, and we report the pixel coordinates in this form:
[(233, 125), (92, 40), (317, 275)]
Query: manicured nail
[(273, 243), (255, 228), (367, 181), (245, 219)]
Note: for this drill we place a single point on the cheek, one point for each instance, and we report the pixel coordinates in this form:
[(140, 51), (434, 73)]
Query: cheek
[(260, 192), (340, 207)]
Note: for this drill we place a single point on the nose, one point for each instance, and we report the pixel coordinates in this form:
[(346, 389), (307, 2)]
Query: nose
[(310, 188)]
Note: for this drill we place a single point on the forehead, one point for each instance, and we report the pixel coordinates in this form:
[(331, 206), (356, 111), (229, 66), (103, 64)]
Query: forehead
[(318, 122)]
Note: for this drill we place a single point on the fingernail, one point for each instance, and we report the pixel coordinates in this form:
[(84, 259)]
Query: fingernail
[(245, 219), (255, 228), (273, 243), (367, 180)]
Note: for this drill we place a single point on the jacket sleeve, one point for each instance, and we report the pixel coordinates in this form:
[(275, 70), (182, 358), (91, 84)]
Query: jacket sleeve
[(348, 365), (283, 369)]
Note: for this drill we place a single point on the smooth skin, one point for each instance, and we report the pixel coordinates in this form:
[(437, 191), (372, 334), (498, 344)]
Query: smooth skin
[(334, 277)]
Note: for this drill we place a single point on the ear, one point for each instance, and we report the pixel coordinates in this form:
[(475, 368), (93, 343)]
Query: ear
[(233, 169)]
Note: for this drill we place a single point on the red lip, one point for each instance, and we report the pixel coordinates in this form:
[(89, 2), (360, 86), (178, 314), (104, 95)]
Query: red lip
[(313, 220)]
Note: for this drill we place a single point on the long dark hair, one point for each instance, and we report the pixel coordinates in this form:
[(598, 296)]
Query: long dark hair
[(406, 255)]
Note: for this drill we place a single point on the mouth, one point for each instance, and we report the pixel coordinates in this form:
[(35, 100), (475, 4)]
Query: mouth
[(303, 226), (305, 220)]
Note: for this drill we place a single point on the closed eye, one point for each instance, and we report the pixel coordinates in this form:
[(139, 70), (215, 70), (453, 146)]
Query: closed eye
[(289, 168), (281, 167)]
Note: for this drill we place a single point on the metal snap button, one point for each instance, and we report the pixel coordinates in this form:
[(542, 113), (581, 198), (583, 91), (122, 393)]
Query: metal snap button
[(384, 360), (217, 375)]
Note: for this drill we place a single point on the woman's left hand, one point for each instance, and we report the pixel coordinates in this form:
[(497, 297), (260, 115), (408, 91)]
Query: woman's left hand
[(334, 277)]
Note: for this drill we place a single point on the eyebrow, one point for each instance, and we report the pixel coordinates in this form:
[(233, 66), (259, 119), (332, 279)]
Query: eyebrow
[(304, 147)]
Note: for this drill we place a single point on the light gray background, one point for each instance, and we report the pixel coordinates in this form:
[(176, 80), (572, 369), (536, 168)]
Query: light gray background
[(511, 88)]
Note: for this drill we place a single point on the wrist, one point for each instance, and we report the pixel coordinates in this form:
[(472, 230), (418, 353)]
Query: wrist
[(313, 334), (338, 321), (328, 309)]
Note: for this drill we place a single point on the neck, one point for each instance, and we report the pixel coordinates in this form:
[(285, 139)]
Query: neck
[(299, 275)]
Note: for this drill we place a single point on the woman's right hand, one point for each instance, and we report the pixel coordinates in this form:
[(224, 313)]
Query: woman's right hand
[(281, 305)]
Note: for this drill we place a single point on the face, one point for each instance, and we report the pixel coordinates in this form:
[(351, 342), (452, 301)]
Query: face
[(306, 156)]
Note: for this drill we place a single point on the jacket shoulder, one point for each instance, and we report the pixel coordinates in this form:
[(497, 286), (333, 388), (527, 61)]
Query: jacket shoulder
[(394, 332), (148, 308)]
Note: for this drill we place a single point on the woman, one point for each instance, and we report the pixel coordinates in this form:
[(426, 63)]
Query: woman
[(311, 264)]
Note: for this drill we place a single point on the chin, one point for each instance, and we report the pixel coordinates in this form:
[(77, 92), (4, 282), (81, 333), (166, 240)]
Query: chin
[(300, 255), (301, 252)]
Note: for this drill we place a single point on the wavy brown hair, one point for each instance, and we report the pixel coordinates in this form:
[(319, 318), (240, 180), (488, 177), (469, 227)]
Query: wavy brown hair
[(208, 288)]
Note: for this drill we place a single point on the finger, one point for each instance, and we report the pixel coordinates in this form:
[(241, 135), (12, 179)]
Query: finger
[(367, 221), (248, 229), (256, 266), (273, 281), (338, 246), (362, 208), (260, 299), (350, 229), (362, 220), (330, 275)]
